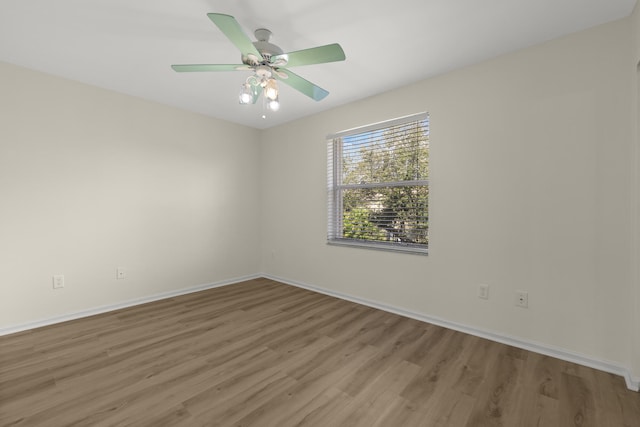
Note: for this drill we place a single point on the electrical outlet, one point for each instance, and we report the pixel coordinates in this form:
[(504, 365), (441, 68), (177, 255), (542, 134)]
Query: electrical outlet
[(483, 291), (120, 274), (58, 281), (522, 299)]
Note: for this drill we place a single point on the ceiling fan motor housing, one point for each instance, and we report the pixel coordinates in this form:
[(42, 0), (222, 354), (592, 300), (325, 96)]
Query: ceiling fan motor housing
[(266, 49)]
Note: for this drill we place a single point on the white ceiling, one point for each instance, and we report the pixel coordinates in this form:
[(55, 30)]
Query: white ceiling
[(128, 45)]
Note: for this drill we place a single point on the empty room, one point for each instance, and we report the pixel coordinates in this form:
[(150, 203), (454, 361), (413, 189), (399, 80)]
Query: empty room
[(320, 213)]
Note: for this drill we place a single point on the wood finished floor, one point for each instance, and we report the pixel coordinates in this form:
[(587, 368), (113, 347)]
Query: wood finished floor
[(261, 353)]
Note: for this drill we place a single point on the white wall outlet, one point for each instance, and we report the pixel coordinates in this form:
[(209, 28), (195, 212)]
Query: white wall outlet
[(522, 299), (483, 291), (58, 281), (120, 274)]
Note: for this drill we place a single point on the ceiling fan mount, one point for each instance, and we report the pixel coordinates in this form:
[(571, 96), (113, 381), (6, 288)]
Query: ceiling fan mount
[(267, 62), (262, 34)]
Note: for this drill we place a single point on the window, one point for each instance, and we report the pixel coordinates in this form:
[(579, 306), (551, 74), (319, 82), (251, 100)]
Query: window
[(378, 179)]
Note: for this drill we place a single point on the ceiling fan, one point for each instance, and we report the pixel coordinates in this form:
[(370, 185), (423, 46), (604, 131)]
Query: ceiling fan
[(267, 61)]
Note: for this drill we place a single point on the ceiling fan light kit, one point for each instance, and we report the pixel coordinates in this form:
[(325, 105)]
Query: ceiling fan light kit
[(267, 62)]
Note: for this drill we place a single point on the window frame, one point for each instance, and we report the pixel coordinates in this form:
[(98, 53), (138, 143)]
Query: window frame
[(335, 188)]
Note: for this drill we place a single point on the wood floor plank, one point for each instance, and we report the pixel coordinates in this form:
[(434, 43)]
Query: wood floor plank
[(436, 369), (450, 409), (578, 402), (322, 408), (261, 353), (496, 398), (474, 369), (374, 401), (330, 368)]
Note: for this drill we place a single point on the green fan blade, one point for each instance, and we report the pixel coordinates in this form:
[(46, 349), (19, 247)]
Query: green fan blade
[(315, 55), (209, 67), (304, 86), (230, 27)]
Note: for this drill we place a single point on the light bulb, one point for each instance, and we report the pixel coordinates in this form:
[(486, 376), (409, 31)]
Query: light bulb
[(245, 94), (274, 105), (271, 89)]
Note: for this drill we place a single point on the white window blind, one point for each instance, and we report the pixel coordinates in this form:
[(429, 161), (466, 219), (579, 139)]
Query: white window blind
[(378, 178)]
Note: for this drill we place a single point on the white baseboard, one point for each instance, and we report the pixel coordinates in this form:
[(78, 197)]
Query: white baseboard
[(112, 307), (633, 383)]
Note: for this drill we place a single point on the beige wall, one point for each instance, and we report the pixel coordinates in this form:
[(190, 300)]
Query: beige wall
[(91, 180), (530, 190), (635, 66)]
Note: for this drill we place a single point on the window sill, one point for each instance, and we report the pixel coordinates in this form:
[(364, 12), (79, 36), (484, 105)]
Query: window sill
[(379, 246)]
